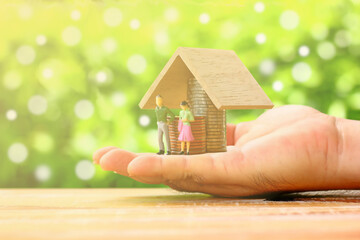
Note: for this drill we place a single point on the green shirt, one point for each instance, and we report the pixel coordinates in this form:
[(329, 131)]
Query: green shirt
[(186, 114), (161, 114)]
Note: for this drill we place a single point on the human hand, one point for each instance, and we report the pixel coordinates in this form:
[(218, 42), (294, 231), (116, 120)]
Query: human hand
[(290, 148)]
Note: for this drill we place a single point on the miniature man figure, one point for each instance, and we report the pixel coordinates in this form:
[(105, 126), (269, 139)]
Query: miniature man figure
[(161, 115)]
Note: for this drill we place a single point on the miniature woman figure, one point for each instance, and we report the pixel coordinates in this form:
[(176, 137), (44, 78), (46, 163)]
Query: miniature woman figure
[(184, 127)]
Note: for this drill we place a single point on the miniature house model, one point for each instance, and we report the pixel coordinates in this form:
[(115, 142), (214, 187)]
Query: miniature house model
[(211, 80)]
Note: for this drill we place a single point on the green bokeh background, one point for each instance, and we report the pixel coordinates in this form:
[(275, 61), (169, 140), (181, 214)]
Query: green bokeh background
[(102, 56)]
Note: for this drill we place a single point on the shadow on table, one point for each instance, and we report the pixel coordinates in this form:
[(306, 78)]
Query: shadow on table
[(345, 196)]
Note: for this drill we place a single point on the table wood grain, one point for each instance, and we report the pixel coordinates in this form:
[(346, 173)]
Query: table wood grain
[(167, 214)]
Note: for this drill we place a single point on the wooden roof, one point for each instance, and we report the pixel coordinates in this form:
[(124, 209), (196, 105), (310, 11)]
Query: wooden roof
[(223, 76)]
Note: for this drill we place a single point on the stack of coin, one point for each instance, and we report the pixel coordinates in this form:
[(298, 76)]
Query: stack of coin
[(198, 128), (201, 105)]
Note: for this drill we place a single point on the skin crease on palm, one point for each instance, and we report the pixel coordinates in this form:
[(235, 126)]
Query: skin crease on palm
[(289, 148)]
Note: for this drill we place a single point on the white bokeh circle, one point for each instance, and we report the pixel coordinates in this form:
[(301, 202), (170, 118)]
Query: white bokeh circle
[(48, 73), (304, 51), (136, 64), (171, 14), (267, 67), (112, 17), (118, 99), (37, 105), (161, 38), (259, 7), (25, 11), (204, 18), (11, 115), (25, 55), (260, 38), (12, 80), (17, 153), (144, 120), (277, 86), (301, 72), (109, 45), (351, 18), (229, 29), (135, 24), (289, 20), (75, 15), (101, 77), (71, 35), (84, 109), (326, 50), (342, 38), (42, 173), (85, 170), (41, 40)]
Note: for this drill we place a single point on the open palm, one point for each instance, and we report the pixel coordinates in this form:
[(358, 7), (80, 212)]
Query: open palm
[(290, 148)]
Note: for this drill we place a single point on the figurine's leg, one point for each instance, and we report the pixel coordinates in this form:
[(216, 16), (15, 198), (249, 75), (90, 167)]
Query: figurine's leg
[(188, 146), (167, 137), (182, 145), (160, 136)]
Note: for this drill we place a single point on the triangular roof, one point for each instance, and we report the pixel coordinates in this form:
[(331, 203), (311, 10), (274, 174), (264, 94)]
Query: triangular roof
[(222, 75)]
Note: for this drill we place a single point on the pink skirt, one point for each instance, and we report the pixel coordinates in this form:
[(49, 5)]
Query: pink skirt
[(186, 134)]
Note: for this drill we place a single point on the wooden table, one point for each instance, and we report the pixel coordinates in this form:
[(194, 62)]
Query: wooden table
[(167, 214)]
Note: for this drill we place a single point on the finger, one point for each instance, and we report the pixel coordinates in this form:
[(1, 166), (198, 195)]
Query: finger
[(272, 120), (241, 130), (118, 159), (99, 153), (230, 129), (235, 131), (210, 168)]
